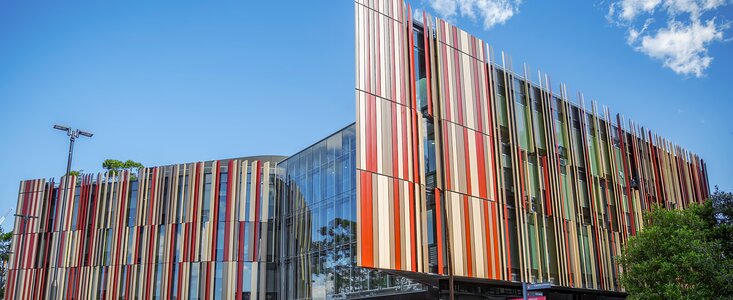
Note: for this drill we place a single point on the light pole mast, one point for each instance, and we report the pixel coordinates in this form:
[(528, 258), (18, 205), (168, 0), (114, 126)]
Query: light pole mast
[(73, 134)]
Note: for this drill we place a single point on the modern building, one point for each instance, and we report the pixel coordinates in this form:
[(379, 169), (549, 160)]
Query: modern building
[(457, 170)]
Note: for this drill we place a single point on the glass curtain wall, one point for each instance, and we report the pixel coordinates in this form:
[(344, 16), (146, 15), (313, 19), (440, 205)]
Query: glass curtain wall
[(317, 189)]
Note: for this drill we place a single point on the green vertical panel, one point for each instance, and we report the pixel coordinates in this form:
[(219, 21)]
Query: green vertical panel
[(521, 119), (502, 108), (568, 198), (560, 133), (604, 148), (533, 184), (581, 251), (592, 155), (619, 166), (586, 249), (534, 262), (583, 186), (601, 199), (539, 129), (578, 145)]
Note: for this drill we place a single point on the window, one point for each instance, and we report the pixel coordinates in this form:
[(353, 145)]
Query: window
[(246, 280), (180, 197), (218, 281), (193, 291), (174, 290), (420, 72), (207, 196), (130, 245), (75, 212), (132, 207), (223, 178), (107, 247), (521, 118), (161, 243), (158, 280), (166, 200), (220, 241)]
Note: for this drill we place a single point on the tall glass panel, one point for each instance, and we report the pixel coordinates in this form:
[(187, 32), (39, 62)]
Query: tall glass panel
[(420, 72), (320, 261)]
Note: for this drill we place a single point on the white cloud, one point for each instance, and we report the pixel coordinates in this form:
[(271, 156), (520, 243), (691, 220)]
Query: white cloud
[(417, 15), (682, 43), (631, 8), (682, 47), (491, 12)]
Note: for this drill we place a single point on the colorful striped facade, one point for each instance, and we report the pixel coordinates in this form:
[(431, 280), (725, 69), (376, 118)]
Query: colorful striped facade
[(191, 231), (466, 168), (455, 166)]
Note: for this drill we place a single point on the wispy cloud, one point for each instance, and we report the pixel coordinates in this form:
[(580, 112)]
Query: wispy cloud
[(682, 42), (489, 12)]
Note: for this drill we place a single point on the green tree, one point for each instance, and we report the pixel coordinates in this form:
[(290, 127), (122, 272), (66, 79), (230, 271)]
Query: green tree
[(723, 215), (5, 239), (76, 173), (115, 166), (677, 256)]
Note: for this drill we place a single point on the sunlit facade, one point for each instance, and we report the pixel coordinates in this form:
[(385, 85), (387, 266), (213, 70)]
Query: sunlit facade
[(468, 170), (456, 168)]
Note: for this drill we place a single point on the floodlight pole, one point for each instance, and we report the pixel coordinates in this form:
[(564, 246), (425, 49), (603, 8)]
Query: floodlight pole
[(72, 138), (73, 134)]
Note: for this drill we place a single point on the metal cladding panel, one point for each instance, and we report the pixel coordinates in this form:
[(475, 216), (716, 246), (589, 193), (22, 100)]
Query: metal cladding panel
[(527, 186), (390, 194), (165, 231)]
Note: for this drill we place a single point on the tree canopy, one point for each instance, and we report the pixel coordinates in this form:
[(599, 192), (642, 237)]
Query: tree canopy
[(5, 239), (115, 166), (682, 254)]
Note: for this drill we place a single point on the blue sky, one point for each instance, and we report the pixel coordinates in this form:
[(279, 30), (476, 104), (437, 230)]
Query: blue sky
[(171, 82)]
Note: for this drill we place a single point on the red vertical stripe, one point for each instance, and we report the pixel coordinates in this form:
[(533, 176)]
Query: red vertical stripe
[(467, 230), (548, 206), (10, 284), (367, 247), (481, 157), (487, 234), (495, 233)]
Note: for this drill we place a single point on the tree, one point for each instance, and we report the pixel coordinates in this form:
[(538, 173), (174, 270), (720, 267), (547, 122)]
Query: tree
[(677, 256), (114, 166), (5, 239), (76, 173), (723, 215)]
